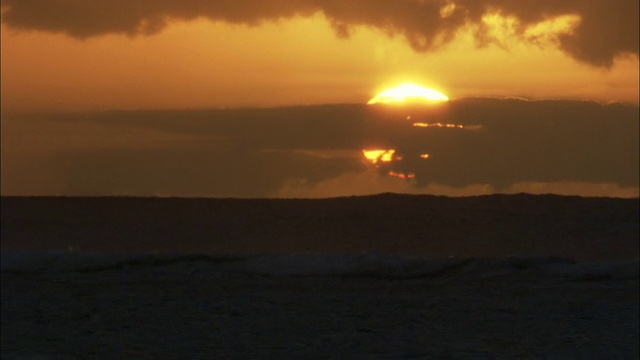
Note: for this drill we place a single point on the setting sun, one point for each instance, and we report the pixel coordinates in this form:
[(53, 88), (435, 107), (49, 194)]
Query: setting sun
[(408, 92)]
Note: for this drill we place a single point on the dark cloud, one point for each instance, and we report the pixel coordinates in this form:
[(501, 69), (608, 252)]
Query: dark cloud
[(505, 142), (608, 27), (194, 172), (257, 152)]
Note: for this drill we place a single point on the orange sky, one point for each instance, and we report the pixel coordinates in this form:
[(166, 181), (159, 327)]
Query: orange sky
[(202, 63), (61, 58)]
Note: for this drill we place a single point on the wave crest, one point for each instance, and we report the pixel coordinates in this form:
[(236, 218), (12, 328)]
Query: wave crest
[(362, 265)]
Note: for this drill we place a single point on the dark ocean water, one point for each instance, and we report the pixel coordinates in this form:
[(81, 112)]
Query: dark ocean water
[(371, 277)]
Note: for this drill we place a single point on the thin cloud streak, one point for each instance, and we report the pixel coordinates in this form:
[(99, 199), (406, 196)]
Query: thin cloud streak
[(607, 28)]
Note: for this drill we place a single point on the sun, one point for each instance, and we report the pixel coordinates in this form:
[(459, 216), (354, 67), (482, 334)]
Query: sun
[(407, 92)]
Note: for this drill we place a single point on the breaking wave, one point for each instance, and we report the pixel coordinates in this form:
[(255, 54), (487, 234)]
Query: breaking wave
[(363, 265)]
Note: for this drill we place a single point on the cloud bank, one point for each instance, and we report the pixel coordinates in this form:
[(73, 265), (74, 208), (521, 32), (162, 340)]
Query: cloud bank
[(606, 29), (495, 145)]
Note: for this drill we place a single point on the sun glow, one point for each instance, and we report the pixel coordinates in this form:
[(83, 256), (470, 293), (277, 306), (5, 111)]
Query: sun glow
[(408, 92), (439, 125), (402, 176), (445, 126), (375, 156)]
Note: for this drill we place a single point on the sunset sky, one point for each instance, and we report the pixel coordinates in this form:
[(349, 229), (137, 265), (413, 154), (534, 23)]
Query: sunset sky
[(83, 56)]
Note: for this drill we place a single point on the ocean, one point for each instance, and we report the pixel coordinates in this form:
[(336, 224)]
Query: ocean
[(376, 277)]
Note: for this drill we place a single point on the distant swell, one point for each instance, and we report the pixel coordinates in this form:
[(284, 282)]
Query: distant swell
[(366, 265), (496, 226)]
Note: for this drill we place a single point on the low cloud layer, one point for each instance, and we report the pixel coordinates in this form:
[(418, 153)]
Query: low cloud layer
[(607, 28), (308, 151)]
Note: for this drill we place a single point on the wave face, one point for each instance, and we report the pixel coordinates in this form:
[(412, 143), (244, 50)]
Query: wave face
[(376, 266)]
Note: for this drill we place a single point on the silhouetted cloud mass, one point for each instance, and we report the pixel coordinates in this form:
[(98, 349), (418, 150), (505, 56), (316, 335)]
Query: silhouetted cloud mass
[(607, 27), (317, 150)]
